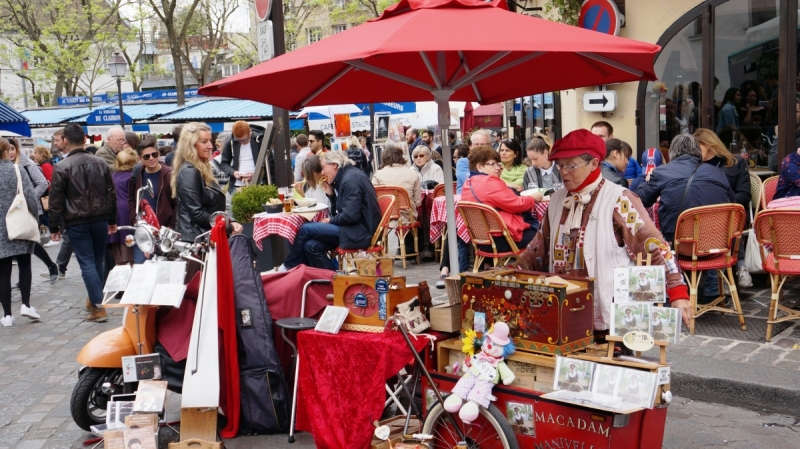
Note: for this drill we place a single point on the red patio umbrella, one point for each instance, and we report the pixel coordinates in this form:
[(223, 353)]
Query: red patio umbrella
[(469, 121), (391, 58)]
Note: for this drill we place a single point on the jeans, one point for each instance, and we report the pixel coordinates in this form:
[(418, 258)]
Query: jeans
[(312, 245), (138, 256), (89, 244), (64, 252)]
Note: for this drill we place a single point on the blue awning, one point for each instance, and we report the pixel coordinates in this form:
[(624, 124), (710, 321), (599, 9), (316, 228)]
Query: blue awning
[(11, 120), (297, 124), (145, 111), (221, 109), (53, 116)]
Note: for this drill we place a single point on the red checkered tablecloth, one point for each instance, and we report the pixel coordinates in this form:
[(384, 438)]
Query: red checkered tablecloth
[(439, 218), (282, 224)]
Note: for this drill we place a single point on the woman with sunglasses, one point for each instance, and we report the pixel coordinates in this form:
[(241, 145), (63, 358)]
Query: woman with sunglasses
[(513, 167), (485, 186), (160, 175), (429, 172)]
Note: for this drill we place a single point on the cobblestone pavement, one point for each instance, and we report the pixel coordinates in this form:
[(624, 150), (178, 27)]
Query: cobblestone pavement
[(38, 372)]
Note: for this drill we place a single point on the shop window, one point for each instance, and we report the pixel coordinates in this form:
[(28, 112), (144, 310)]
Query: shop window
[(745, 70), (672, 104)]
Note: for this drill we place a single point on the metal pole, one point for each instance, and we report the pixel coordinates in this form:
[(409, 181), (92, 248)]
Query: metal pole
[(280, 117), (787, 66), (119, 97)]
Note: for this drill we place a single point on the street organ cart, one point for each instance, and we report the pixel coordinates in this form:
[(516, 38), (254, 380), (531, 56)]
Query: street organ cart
[(549, 317)]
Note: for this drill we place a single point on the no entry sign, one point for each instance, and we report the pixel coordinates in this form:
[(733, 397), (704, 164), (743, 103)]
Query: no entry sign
[(600, 15), (262, 9)]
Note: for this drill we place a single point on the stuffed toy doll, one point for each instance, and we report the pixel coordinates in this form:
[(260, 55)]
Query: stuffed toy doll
[(483, 371)]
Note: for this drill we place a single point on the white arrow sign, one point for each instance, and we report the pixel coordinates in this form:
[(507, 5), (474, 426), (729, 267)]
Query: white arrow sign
[(600, 101)]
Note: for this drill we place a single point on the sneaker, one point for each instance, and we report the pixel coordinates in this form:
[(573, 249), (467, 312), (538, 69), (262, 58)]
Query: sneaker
[(87, 307), (7, 321), (52, 243), (282, 268), (60, 275), (440, 282), (29, 312), (97, 315), (744, 277)]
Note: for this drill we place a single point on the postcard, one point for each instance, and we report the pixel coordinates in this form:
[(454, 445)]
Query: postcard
[(573, 374), (521, 418), (150, 396), (332, 319), (142, 438), (627, 317), (606, 379), (640, 284), (638, 387), (665, 324)]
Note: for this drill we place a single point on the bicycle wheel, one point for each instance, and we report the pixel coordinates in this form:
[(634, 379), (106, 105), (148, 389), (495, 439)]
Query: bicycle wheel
[(490, 430)]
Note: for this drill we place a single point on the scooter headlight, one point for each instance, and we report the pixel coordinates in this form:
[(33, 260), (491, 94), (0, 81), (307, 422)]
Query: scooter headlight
[(145, 239)]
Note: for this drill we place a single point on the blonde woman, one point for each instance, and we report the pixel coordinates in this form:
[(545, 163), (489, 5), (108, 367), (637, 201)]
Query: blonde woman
[(738, 175), (194, 187), (126, 160)]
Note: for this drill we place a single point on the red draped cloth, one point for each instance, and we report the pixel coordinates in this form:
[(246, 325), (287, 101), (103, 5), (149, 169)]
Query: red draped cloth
[(230, 399), (342, 381)]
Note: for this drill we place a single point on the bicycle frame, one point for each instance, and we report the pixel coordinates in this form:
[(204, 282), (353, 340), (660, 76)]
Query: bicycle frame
[(420, 367)]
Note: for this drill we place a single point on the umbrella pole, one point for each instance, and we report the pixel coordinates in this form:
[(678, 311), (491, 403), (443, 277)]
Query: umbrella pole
[(442, 98)]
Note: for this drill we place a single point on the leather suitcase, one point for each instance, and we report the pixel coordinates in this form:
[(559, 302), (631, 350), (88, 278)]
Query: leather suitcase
[(543, 316)]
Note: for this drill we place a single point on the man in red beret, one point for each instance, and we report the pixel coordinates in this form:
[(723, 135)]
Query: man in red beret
[(593, 226)]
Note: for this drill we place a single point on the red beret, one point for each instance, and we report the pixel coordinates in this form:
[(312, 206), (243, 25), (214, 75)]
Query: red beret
[(578, 142)]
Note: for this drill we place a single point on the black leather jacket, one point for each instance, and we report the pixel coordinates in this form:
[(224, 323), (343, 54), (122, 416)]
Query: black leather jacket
[(195, 203), (81, 191)]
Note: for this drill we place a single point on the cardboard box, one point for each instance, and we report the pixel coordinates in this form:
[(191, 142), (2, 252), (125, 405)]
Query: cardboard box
[(452, 285), (446, 318), (369, 267), (396, 431), (546, 375)]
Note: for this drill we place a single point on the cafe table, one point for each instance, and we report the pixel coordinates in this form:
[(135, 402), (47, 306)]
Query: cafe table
[(284, 224)]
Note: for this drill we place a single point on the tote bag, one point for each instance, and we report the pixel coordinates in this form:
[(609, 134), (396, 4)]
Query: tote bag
[(20, 223), (752, 253)]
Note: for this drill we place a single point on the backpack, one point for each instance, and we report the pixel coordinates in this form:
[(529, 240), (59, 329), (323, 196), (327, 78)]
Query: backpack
[(265, 403)]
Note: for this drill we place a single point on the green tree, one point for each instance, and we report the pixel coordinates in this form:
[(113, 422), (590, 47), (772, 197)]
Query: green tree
[(58, 39), (566, 11), (206, 35), (176, 27)]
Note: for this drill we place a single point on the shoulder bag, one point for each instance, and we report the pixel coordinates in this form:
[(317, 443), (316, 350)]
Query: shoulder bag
[(680, 250), (752, 252), (20, 223)]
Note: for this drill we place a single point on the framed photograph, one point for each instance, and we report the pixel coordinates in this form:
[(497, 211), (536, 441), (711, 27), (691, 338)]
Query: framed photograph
[(640, 284), (381, 125), (521, 418), (627, 317), (606, 379), (638, 387), (665, 324), (573, 374)]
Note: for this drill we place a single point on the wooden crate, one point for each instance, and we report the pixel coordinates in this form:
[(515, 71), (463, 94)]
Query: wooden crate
[(369, 267), (528, 368), (446, 318)]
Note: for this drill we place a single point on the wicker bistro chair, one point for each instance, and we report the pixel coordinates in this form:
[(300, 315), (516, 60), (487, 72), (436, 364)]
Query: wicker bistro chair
[(778, 229), (755, 193), (442, 242), (402, 208), (483, 223), (768, 189), (707, 238), (386, 203)]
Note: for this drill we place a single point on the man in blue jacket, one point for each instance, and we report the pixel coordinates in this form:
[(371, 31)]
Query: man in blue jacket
[(355, 215)]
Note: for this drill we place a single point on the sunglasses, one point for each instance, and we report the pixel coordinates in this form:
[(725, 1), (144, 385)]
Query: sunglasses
[(418, 156), (147, 157)]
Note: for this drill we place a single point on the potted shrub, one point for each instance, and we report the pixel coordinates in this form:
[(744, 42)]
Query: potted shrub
[(250, 200), (247, 202)]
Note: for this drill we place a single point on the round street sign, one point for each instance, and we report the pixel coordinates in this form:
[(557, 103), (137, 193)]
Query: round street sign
[(600, 15), (262, 9)]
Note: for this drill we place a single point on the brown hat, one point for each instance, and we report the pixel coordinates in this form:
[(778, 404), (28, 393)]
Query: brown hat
[(576, 143)]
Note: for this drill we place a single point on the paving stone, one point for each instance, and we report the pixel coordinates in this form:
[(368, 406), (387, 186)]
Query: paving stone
[(783, 364), (31, 444), (765, 356), (746, 348), (52, 422), (705, 351), (792, 355), (730, 355), (786, 343), (33, 417)]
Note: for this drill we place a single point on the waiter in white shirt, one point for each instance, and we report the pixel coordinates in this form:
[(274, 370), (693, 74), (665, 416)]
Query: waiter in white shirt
[(240, 154)]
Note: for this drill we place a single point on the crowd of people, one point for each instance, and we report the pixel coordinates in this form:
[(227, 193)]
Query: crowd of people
[(589, 174)]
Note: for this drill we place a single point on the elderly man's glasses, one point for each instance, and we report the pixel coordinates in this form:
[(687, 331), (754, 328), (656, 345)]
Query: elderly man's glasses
[(569, 168)]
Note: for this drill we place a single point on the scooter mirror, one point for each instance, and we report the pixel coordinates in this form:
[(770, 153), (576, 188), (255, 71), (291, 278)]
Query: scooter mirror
[(149, 189)]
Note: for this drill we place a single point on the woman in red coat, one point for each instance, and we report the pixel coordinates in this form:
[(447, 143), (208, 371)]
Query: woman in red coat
[(485, 186)]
